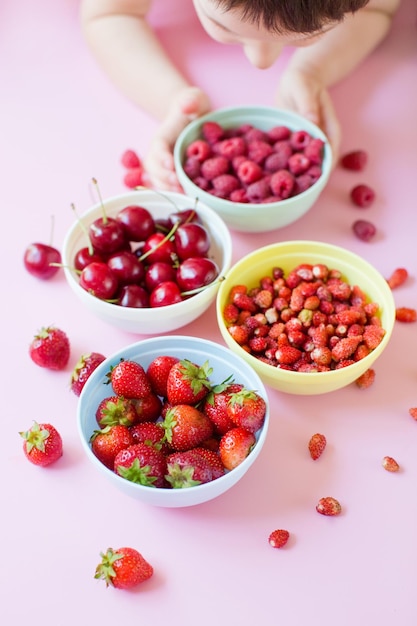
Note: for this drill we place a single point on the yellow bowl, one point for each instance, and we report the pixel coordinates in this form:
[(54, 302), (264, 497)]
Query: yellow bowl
[(287, 255)]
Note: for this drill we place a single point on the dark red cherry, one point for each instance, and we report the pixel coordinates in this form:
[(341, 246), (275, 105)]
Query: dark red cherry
[(165, 294), (157, 273), (84, 257), (137, 222), (126, 267), (196, 272), (38, 258), (98, 279), (158, 250), (107, 235), (191, 240), (186, 215), (133, 296)]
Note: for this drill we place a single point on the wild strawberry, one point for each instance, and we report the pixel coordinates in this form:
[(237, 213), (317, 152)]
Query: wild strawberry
[(355, 160), (366, 380), (187, 469), (345, 347), (214, 460), (278, 538), (390, 464), (142, 464), (287, 355), (188, 383), (405, 314), (186, 427), (373, 335), (215, 406), (244, 302), (316, 445), (328, 506), (235, 446), (83, 370), (398, 277), (123, 568), (107, 443), (363, 196), (239, 333), (50, 348), (246, 409), (129, 380), (42, 444), (413, 412), (130, 159)]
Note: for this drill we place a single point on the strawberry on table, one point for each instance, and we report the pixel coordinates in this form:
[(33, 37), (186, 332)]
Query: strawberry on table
[(247, 409), (107, 443), (188, 383), (235, 446), (50, 348), (316, 445), (143, 464), (186, 427), (42, 444), (158, 371), (83, 370), (129, 379), (123, 568)]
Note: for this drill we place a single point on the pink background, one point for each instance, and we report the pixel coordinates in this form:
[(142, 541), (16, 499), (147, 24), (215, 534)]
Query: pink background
[(63, 123)]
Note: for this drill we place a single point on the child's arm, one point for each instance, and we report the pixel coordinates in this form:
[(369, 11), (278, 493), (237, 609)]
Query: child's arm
[(130, 53), (313, 69)]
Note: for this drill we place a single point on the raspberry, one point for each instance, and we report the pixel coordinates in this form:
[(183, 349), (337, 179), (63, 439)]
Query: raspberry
[(366, 380), (397, 278), (255, 134), (282, 184), (298, 163), (192, 167), (316, 445), (314, 151), (276, 161), (328, 506), (278, 538), (314, 172), (390, 464), (363, 196), (133, 178), (278, 133), (259, 150), (212, 132), (230, 148), (302, 183), (214, 166), (201, 182), (355, 160), (258, 191), (130, 160), (225, 183), (199, 149), (239, 195), (405, 314), (300, 139), (249, 172), (364, 230)]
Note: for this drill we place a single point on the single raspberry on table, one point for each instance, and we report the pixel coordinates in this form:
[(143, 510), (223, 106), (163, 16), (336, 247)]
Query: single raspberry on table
[(364, 230), (362, 196), (355, 160), (130, 159), (133, 177)]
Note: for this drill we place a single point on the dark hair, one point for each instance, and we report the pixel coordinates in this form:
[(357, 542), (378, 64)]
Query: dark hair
[(296, 16)]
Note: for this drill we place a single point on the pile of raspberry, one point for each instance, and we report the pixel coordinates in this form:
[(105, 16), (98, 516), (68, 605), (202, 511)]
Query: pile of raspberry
[(246, 164)]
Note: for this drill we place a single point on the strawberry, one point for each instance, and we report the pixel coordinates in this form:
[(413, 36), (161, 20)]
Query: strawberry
[(148, 409), (278, 538), (143, 464), (366, 379), (116, 410), (83, 370), (390, 464), (405, 314), (151, 433), (316, 445), (235, 446), (412, 411), (247, 409), (42, 445), (123, 568), (186, 427), (344, 348), (158, 371), (188, 383), (397, 278), (50, 348), (129, 379), (328, 506), (213, 459), (108, 442), (215, 407), (188, 469)]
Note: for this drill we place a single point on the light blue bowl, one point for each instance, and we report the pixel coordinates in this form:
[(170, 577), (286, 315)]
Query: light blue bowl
[(224, 363)]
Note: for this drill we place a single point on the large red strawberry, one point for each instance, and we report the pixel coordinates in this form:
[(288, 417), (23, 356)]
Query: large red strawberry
[(188, 383), (148, 409), (83, 370), (50, 348), (186, 427), (143, 464), (151, 433), (235, 446), (123, 568), (188, 469), (129, 379), (158, 371), (214, 460), (215, 407), (42, 445), (108, 442), (247, 409), (116, 410)]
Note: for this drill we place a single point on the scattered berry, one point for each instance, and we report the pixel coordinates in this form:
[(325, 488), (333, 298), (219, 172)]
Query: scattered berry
[(42, 260), (405, 314), (278, 538), (366, 380), (123, 568), (316, 445), (355, 160), (398, 277), (50, 348), (363, 196), (328, 506), (42, 444), (364, 230), (413, 412), (83, 370), (130, 160), (134, 178), (390, 464)]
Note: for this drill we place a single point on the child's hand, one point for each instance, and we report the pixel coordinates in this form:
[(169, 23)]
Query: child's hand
[(159, 163), (305, 95)]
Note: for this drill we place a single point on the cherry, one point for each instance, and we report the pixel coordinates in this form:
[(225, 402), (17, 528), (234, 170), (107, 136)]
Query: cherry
[(191, 240), (137, 222), (126, 267), (156, 249), (165, 294), (85, 256), (186, 215), (133, 296), (38, 258), (196, 272), (98, 279), (157, 273), (107, 235)]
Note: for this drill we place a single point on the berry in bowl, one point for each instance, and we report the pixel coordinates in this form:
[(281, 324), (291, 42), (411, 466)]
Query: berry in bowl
[(147, 262), (180, 422), (260, 168), (309, 317)]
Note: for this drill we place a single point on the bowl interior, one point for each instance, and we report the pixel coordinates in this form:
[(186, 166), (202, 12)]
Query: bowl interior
[(223, 363), (288, 255)]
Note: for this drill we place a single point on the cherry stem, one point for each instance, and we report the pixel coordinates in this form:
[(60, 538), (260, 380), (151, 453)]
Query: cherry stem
[(85, 231), (95, 183), (73, 269), (192, 292), (164, 240)]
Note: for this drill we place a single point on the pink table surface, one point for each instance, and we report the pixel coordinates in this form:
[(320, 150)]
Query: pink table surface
[(62, 123)]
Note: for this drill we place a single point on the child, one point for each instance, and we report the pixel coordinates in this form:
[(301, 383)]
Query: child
[(331, 36)]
